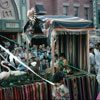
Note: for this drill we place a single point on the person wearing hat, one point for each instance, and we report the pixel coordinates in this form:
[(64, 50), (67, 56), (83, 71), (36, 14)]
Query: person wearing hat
[(92, 60), (63, 64), (20, 66), (60, 91)]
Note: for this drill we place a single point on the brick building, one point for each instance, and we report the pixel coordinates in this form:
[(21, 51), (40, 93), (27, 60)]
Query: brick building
[(99, 11), (80, 8)]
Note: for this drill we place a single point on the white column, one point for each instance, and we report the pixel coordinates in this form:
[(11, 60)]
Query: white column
[(28, 4), (19, 38)]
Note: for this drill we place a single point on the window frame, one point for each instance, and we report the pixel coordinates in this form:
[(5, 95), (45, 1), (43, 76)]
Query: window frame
[(65, 10), (76, 8), (86, 12)]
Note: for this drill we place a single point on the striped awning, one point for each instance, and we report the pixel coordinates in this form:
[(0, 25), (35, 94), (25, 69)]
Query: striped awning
[(67, 22)]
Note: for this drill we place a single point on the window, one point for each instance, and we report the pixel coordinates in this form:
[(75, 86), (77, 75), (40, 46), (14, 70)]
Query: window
[(65, 10), (86, 13), (99, 15), (40, 10), (23, 1), (76, 11), (98, 1)]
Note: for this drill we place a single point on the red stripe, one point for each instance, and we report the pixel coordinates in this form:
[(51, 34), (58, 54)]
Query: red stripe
[(24, 92), (35, 91), (1, 94), (74, 28), (43, 91)]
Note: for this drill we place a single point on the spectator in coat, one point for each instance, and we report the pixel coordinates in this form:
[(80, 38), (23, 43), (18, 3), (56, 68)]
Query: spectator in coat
[(92, 60), (97, 57)]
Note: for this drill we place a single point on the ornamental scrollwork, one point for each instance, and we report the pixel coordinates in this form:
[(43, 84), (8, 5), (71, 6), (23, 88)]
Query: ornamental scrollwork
[(4, 4)]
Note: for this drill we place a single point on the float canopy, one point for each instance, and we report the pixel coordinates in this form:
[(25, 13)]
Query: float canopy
[(67, 22)]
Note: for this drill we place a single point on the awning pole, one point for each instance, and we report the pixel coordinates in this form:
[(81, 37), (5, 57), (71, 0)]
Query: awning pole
[(88, 60), (52, 51)]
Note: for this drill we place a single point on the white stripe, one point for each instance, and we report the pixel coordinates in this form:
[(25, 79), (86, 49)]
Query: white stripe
[(70, 19)]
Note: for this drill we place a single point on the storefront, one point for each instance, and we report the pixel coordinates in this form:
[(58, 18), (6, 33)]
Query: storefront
[(11, 19)]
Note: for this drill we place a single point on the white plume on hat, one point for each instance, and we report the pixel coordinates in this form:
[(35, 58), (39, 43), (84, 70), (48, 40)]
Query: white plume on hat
[(31, 14), (33, 63)]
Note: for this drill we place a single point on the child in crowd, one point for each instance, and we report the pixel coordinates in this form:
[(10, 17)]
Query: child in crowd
[(56, 62), (60, 91), (43, 65), (20, 66)]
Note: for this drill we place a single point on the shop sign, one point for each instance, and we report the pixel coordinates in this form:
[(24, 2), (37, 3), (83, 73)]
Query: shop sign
[(12, 25)]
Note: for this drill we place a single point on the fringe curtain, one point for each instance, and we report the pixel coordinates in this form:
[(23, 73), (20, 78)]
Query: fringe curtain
[(82, 87), (75, 49)]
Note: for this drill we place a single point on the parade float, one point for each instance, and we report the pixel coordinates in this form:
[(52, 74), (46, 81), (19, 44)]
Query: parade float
[(66, 34), (70, 35)]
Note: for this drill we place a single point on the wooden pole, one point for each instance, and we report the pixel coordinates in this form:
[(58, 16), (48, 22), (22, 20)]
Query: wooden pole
[(52, 51), (88, 60), (27, 45), (62, 44), (27, 48), (57, 44)]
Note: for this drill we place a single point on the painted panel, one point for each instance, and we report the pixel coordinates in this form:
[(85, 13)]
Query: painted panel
[(7, 10), (12, 25)]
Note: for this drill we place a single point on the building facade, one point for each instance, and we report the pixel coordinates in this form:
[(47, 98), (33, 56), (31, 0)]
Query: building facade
[(99, 12), (96, 20), (80, 8)]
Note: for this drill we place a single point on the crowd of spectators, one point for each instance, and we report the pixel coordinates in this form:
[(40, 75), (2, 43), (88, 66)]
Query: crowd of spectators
[(41, 54)]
